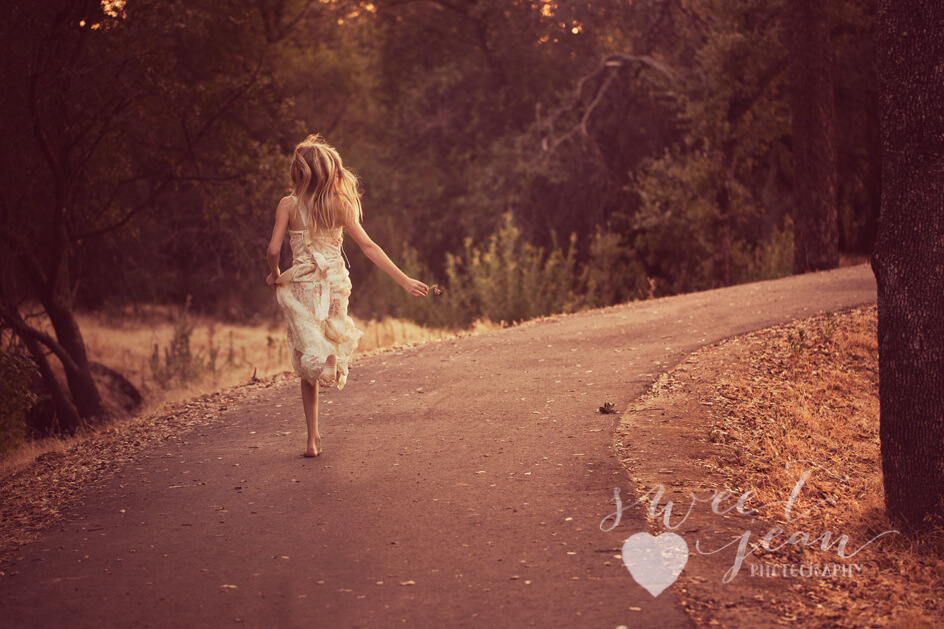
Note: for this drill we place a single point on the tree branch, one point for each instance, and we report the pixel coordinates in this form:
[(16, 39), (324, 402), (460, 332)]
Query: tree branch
[(605, 73), (191, 142), (15, 321)]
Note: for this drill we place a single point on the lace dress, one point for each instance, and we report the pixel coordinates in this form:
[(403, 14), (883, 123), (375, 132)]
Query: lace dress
[(313, 296)]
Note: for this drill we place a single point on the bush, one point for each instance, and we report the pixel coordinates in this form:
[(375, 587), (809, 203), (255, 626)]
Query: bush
[(16, 397), (770, 260), (676, 227), (612, 274), (509, 280), (179, 362), (380, 297)]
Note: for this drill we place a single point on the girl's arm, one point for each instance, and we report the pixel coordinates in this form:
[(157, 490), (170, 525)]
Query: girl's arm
[(274, 251), (376, 255)]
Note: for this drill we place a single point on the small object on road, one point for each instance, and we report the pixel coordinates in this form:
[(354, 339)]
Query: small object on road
[(607, 408)]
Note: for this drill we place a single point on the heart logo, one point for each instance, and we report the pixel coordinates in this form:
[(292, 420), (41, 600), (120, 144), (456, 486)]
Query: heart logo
[(655, 562)]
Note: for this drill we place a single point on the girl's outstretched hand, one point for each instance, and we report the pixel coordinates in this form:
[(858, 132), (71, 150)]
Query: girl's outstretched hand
[(270, 280), (415, 288)]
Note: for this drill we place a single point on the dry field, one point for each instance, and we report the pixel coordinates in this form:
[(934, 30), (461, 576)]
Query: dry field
[(807, 393), (810, 392), (127, 344), (222, 355)]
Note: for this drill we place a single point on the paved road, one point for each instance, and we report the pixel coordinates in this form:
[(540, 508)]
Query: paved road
[(463, 484)]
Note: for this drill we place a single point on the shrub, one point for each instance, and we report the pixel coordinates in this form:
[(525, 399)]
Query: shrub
[(179, 362), (509, 280), (612, 274), (16, 397), (769, 260)]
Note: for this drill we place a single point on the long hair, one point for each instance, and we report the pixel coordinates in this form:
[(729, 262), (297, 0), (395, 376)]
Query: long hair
[(329, 190)]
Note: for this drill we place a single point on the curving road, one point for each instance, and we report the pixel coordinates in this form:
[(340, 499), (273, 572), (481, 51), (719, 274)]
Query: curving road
[(463, 484)]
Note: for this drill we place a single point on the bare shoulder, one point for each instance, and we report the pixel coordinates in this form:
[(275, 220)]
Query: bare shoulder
[(285, 209), (287, 203)]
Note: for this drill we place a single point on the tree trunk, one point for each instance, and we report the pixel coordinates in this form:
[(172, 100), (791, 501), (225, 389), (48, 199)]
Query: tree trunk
[(908, 260), (67, 416), (815, 214), (54, 292), (82, 386)]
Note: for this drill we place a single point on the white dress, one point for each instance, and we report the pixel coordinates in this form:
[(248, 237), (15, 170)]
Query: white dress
[(313, 296)]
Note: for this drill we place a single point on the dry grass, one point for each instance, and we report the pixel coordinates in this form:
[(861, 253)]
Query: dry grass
[(126, 341), (809, 392)]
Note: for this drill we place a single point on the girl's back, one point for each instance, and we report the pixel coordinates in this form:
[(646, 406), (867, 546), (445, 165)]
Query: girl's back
[(325, 240)]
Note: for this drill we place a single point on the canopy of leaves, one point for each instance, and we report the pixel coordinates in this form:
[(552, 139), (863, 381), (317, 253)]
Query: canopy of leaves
[(148, 141)]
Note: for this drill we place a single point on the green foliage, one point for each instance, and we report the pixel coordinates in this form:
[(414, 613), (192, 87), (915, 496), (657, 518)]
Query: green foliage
[(459, 89), (506, 280), (725, 190), (509, 280), (739, 67), (676, 225), (16, 397), (378, 296), (709, 204), (612, 273), (443, 112), (797, 342), (766, 261)]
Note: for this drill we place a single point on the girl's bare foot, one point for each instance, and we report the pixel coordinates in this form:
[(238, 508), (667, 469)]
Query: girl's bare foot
[(314, 448), (329, 372)]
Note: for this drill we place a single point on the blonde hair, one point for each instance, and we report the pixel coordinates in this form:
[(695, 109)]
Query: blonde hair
[(329, 190)]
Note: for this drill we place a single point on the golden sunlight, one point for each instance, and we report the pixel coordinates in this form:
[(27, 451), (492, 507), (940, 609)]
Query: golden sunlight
[(113, 8)]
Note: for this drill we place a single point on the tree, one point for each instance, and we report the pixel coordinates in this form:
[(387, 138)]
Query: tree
[(109, 110), (459, 82), (908, 259), (719, 190), (815, 214)]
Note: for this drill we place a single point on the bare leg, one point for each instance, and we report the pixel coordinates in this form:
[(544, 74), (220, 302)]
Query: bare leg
[(310, 402), (329, 372)]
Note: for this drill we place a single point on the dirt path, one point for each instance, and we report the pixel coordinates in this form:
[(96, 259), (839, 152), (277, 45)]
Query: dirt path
[(463, 484)]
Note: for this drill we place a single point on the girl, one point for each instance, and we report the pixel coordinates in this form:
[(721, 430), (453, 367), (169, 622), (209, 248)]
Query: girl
[(313, 294)]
